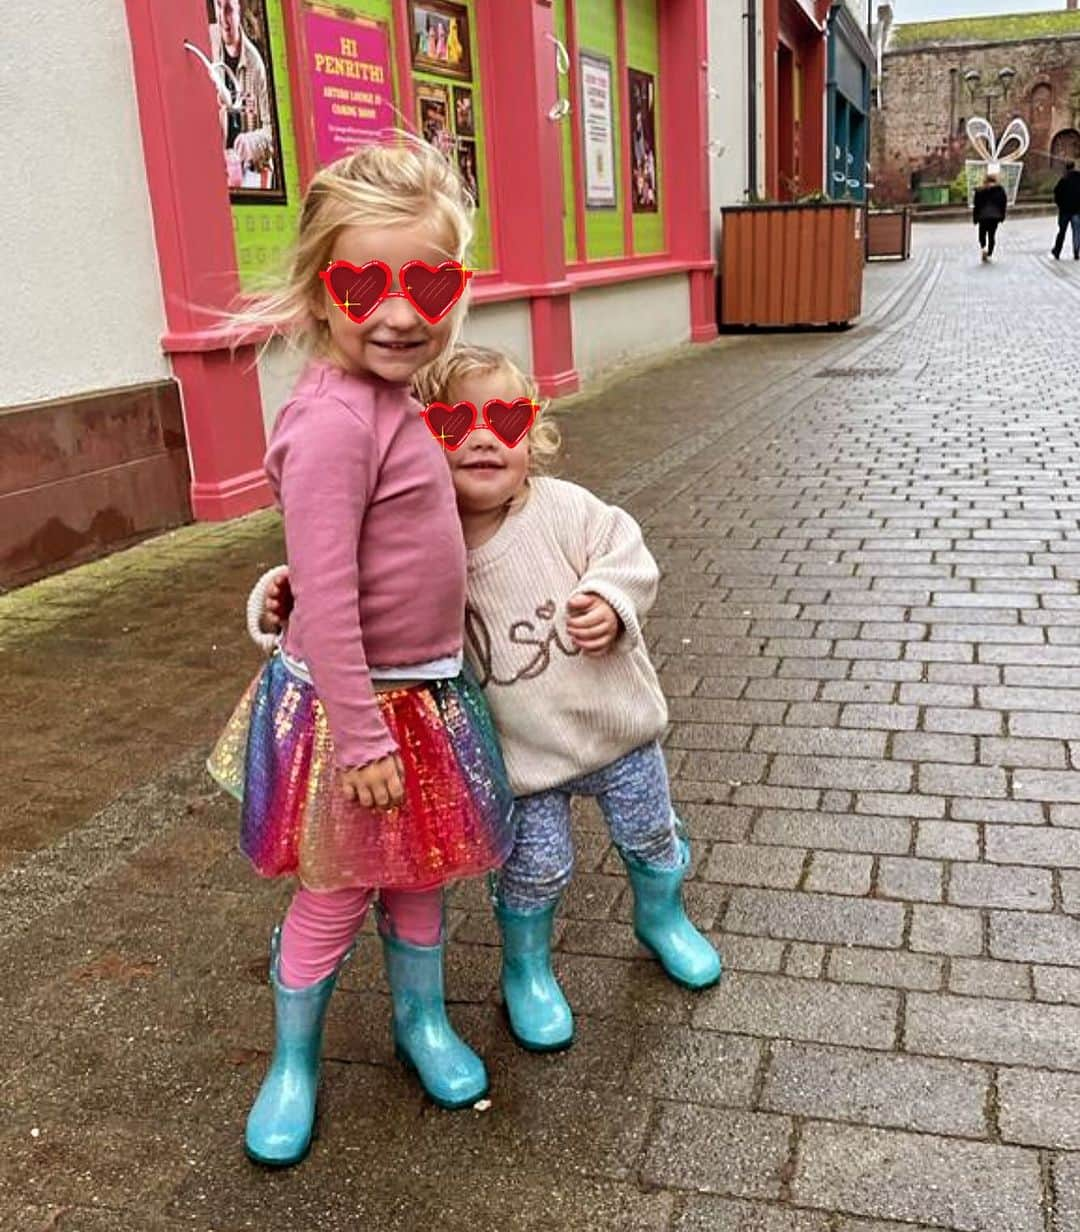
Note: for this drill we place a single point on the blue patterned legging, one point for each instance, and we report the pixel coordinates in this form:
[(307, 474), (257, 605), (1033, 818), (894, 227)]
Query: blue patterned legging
[(635, 800)]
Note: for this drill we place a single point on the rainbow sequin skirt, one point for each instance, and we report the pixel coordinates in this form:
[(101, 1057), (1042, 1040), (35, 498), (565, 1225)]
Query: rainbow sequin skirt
[(276, 756)]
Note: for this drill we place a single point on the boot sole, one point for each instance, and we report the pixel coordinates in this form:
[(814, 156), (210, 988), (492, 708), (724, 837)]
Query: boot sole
[(447, 1104), (528, 1045), (677, 979)]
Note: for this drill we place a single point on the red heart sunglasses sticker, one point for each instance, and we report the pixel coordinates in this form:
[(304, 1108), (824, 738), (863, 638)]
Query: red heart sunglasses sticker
[(433, 292), (357, 290), (510, 420), (450, 425)]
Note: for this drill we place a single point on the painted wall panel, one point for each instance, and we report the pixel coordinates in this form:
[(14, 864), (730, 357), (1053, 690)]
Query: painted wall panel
[(83, 309), (629, 321), (643, 53)]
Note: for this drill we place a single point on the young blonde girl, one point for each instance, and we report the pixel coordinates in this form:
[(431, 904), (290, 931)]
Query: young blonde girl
[(365, 760), (558, 586)]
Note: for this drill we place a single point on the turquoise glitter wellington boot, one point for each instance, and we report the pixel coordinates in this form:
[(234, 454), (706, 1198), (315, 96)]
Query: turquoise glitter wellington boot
[(661, 923), (451, 1073), (280, 1124), (540, 1017)]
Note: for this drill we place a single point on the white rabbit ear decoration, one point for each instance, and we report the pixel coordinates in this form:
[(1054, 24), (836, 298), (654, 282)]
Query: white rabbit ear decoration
[(990, 149)]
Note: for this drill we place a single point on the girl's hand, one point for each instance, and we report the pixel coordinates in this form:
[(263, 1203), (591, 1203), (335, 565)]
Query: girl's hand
[(593, 624), (378, 785), (278, 605)]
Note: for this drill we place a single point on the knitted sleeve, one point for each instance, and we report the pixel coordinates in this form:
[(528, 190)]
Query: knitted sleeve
[(619, 568), (325, 457)]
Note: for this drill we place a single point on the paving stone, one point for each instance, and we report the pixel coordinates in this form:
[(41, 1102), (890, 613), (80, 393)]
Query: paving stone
[(1065, 815), (906, 805), (804, 960), (1046, 725), (1070, 892), (888, 1174), (1050, 785), (974, 722), (698, 1066), (1048, 754), (946, 780), (985, 885), (890, 968), (750, 953), (1036, 1108), (1029, 937), (833, 831), (1066, 1170), (998, 812), (946, 930), (1045, 846), (870, 1088), (947, 840), (855, 774), (740, 1153), (708, 1214), (983, 977), (750, 865), (914, 880), (887, 717), (1002, 1031), (781, 1007), (828, 919), (1060, 985), (834, 872), (930, 746)]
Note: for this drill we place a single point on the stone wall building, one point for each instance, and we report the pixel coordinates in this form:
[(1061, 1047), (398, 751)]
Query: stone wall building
[(935, 75)]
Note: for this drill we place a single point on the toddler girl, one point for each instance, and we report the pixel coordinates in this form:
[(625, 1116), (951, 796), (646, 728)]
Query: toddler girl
[(366, 761), (558, 584)]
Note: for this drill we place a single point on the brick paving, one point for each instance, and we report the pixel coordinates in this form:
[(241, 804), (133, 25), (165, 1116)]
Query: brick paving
[(866, 629)]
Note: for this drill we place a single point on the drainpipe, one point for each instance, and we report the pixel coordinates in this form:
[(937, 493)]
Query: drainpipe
[(750, 16)]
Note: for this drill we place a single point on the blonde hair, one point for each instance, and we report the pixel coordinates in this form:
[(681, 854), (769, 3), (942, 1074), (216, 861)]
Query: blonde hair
[(395, 180), (437, 382)]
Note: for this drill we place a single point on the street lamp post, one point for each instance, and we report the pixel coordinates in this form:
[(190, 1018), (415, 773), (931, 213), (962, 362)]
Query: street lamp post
[(991, 90)]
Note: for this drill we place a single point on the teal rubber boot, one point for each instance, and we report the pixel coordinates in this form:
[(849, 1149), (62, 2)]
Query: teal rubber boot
[(540, 1017), (451, 1073), (281, 1121), (661, 923)]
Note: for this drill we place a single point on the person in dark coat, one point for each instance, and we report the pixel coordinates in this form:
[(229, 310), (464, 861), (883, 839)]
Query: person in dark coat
[(991, 206), (1067, 200)]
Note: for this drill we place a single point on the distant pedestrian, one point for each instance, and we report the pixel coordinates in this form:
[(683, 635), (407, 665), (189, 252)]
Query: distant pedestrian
[(991, 206), (1067, 200)]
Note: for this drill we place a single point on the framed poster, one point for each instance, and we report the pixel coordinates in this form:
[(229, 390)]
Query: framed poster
[(597, 131), (467, 167), (464, 117), (243, 72), (433, 116), (348, 78), (644, 193), (439, 31)]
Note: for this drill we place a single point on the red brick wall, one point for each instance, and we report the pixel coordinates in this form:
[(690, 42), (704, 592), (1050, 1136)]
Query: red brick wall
[(919, 127)]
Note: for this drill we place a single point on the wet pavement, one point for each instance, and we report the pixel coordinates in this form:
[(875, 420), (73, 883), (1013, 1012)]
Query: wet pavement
[(871, 548)]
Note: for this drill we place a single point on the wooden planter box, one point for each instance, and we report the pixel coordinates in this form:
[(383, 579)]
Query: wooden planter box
[(888, 234), (788, 265)]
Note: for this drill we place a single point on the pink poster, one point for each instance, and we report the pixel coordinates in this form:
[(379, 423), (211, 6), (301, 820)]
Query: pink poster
[(349, 78)]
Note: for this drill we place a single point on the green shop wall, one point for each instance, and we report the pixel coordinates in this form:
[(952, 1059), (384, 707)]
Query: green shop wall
[(569, 217), (643, 53), (264, 233), (480, 256), (597, 31)]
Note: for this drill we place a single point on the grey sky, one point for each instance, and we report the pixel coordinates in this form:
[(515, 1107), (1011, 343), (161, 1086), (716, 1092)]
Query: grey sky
[(930, 10)]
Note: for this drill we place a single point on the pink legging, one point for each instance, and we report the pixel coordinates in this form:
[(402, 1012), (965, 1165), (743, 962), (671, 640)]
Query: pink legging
[(320, 927)]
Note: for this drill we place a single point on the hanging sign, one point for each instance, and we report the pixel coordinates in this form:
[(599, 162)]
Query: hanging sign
[(349, 79), (597, 130)]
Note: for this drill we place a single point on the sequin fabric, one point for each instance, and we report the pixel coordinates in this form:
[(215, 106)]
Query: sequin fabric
[(276, 756)]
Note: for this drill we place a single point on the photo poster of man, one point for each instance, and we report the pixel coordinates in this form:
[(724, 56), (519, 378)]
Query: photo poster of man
[(464, 120), (243, 72), (470, 175), (644, 194)]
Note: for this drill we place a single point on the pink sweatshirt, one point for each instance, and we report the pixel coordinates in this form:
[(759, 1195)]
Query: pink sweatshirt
[(376, 555)]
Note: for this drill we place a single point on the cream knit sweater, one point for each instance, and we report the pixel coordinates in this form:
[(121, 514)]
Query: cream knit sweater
[(561, 714)]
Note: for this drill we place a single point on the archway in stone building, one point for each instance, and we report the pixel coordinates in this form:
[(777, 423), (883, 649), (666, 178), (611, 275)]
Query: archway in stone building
[(1065, 147)]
